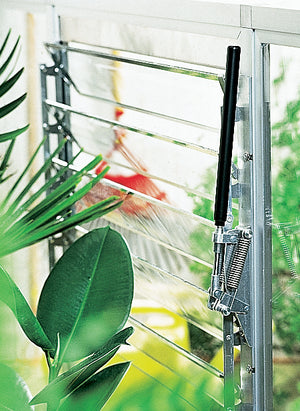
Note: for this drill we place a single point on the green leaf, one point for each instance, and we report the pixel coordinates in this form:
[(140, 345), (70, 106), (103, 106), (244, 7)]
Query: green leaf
[(14, 299), (10, 135), (8, 108), (93, 394), (9, 58), (87, 297), (5, 42), (31, 182), (29, 237), (14, 393), (67, 382), (8, 84), (4, 162), (21, 176)]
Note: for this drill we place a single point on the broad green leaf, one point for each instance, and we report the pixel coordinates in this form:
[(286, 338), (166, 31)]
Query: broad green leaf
[(87, 297), (14, 393), (8, 84), (8, 108), (93, 394), (14, 299), (70, 380), (9, 58), (10, 135)]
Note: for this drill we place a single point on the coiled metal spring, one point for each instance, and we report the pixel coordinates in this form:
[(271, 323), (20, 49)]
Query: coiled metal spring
[(238, 262)]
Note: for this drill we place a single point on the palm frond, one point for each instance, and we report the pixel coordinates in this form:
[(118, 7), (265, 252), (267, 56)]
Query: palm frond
[(4, 163), (8, 84), (27, 214), (5, 42), (11, 135), (4, 66), (25, 219), (8, 108)]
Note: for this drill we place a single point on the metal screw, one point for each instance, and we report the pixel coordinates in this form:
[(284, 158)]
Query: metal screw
[(247, 233), (229, 218), (247, 157), (228, 337), (249, 369)]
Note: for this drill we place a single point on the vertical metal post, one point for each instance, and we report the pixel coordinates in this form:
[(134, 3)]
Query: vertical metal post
[(228, 355), (63, 96), (261, 215), (62, 90), (45, 119)]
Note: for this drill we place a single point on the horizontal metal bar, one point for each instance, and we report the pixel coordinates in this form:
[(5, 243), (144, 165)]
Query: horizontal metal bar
[(139, 62), (217, 69), (152, 113), (182, 352), (165, 273), (157, 241), (186, 299), (185, 188), (117, 124), (116, 103)]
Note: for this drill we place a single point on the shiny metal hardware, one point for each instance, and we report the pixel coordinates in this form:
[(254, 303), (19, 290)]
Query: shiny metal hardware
[(231, 249)]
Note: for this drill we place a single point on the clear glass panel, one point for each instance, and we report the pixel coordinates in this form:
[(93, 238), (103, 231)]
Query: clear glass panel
[(285, 114), (158, 129)]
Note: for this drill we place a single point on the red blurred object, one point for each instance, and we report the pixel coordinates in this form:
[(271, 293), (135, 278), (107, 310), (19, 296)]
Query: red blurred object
[(136, 182), (132, 204)]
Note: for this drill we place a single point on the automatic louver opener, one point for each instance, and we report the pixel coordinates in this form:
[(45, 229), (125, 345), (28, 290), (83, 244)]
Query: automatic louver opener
[(230, 246)]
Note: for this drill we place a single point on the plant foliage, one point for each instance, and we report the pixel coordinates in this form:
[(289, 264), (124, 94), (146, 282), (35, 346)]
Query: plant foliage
[(84, 304), (86, 299)]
